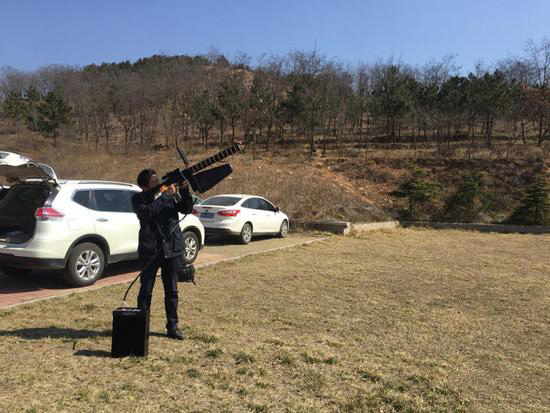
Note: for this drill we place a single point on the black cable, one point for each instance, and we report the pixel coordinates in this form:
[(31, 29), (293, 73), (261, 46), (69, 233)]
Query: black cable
[(154, 256), (152, 259), (139, 275)]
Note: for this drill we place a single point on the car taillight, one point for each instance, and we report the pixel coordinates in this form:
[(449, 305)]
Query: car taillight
[(229, 212), (194, 212), (48, 214)]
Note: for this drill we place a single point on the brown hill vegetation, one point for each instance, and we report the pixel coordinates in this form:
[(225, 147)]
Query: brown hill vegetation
[(301, 188), (346, 183)]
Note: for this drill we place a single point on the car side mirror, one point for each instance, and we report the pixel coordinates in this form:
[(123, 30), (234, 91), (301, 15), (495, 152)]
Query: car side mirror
[(277, 209)]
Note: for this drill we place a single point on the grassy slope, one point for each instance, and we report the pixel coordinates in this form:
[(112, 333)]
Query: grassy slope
[(392, 321)]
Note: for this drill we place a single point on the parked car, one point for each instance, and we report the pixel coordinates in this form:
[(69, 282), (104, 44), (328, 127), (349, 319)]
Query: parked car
[(196, 199), (79, 226), (242, 216)]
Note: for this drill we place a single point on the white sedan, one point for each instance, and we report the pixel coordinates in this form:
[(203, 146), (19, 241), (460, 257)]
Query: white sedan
[(243, 216)]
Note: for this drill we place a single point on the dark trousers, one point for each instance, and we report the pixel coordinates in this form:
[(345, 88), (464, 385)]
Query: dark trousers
[(169, 268)]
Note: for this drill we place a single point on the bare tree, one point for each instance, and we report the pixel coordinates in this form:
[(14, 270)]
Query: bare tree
[(392, 94), (363, 89), (273, 76), (538, 58)]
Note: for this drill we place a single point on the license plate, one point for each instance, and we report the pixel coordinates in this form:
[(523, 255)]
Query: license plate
[(207, 215)]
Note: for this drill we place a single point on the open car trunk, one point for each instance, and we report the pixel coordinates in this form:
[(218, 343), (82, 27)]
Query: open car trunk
[(17, 209), (31, 185)]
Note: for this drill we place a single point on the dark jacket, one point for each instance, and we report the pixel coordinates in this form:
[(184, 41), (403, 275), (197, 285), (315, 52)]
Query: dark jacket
[(156, 218)]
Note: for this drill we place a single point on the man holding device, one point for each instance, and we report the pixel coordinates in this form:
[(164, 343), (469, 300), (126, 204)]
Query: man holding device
[(160, 241)]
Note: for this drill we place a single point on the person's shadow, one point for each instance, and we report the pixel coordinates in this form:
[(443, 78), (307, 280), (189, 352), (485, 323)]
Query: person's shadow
[(93, 353), (38, 333)]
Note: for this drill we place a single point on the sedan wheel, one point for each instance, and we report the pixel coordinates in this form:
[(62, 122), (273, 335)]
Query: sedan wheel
[(246, 233), (284, 229)]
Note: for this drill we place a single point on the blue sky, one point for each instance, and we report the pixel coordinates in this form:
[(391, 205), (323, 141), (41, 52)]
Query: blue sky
[(35, 33)]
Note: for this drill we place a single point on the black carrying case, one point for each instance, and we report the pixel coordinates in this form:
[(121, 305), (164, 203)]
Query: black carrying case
[(130, 332)]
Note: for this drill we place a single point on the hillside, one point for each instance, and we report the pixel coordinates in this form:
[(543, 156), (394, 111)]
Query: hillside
[(302, 189), (346, 187)]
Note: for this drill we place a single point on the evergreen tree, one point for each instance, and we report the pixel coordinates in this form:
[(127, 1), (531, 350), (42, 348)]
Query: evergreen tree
[(470, 199), (32, 100), (13, 106), (416, 189), (53, 112), (535, 206)]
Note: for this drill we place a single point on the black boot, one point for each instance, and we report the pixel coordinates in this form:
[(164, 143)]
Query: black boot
[(175, 334)]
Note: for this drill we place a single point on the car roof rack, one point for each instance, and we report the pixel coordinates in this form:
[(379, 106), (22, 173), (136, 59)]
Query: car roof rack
[(103, 183)]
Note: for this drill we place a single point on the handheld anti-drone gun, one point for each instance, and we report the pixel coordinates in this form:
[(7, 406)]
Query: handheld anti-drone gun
[(199, 181)]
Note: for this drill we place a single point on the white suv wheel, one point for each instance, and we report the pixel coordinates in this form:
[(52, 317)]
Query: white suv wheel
[(85, 265), (190, 247)]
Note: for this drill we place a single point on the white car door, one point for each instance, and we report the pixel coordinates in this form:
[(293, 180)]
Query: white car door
[(271, 218), (133, 224), (115, 220), (263, 216), (255, 215)]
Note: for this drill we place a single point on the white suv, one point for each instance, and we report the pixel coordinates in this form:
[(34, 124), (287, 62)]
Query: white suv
[(76, 225)]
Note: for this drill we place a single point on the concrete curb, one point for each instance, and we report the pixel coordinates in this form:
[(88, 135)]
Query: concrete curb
[(79, 291), (373, 226), (499, 228), (342, 227), (346, 228), (334, 227)]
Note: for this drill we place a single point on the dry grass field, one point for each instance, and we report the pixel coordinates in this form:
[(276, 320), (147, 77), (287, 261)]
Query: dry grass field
[(400, 321)]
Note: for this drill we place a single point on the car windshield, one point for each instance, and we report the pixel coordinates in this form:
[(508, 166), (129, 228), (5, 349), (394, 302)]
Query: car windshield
[(221, 200)]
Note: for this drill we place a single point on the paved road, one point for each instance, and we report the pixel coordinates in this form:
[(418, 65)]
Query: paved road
[(42, 285)]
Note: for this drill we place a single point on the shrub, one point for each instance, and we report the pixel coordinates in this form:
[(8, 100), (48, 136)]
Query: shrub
[(535, 206), (471, 198), (416, 189)]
